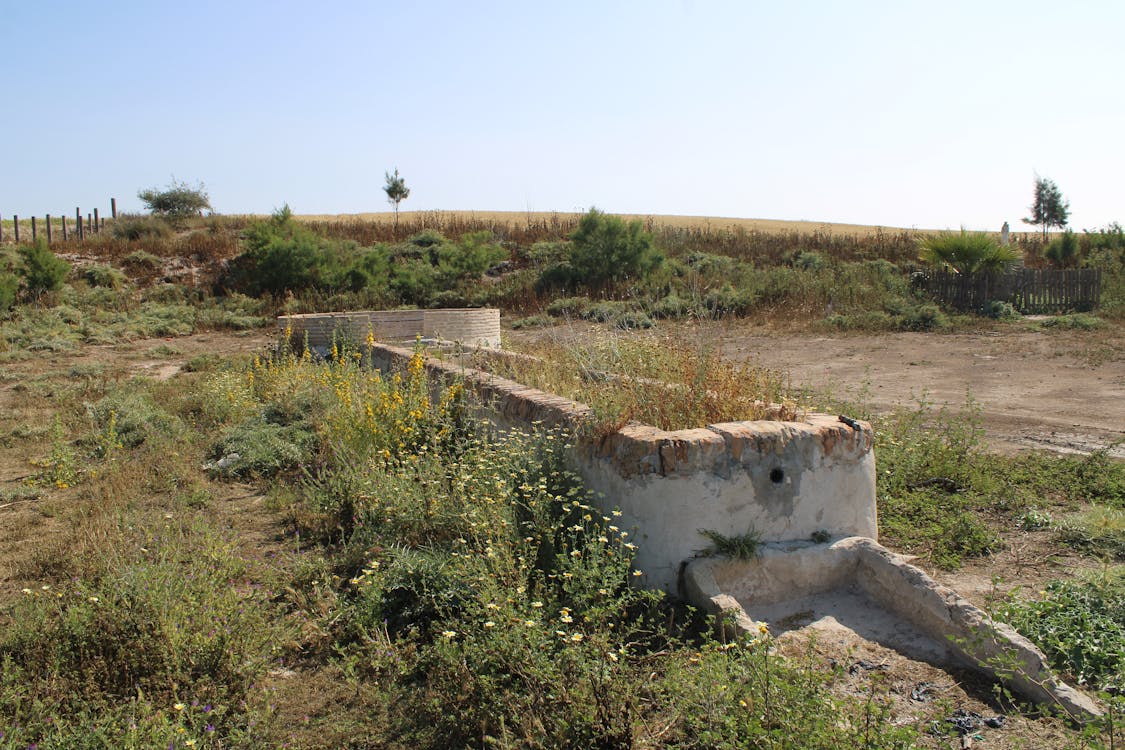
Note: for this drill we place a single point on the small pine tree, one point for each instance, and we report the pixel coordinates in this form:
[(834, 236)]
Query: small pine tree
[(1063, 251), (1048, 208), (42, 270), (605, 248), (396, 191)]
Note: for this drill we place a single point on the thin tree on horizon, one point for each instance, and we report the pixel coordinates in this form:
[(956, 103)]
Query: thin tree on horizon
[(397, 192), (1048, 209)]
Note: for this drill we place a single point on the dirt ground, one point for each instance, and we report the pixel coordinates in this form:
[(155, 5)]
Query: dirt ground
[(1057, 390)]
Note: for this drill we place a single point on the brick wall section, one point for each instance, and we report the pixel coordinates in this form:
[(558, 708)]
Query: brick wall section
[(637, 449)]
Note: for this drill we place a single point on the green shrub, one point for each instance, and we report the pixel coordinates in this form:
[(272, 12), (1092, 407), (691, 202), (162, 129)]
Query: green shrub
[(633, 320), (141, 259), (568, 307), (1074, 321), (468, 259), (1080, 625), (922, 318), (671, 307), (557, 276), (808, 261), (42, 270), (178, 200), (414, 281), (714, 267), (532, 321), (1000, 310), (103, 275), (260, 448), (605, 248), (607, 311), (967, 252), (730, 301), (547, 253), (1063, 251), (9, 289), (281, 255), (745, 546), (130, 417), (874, 320)]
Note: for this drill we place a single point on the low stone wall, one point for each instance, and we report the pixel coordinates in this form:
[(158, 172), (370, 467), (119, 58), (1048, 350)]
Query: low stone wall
[(475, 327), (780, 480)]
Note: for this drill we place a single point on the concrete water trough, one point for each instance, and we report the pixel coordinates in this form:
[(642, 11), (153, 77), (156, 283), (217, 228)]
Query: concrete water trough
[(787, 482), (858, 585)]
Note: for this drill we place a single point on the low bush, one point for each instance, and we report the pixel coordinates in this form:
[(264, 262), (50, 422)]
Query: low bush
[(141, 259), (1080, 625), (1000, 310), (1073, 321), (259, 449), (41, 269), (1063, 251), (177, 200), (100, 274), (966, 252), (532, 321), (126, 418), (605, 248), (9, 289), (922, 318), (568, 307)]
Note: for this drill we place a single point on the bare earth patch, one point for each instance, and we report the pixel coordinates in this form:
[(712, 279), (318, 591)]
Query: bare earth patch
[(1057, 390)]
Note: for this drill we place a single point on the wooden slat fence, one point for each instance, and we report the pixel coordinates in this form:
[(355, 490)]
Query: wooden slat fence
[(1029, 290)]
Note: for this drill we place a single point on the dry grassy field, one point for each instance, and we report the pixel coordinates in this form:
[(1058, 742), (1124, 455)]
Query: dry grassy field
[(712, 223)]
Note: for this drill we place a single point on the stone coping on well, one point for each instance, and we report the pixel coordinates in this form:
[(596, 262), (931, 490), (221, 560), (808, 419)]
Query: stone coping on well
[(637, 449)]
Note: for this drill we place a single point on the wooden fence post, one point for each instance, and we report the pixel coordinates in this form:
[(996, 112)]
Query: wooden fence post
[(89, 227), (16, 225), (78, 222), (97, 226), (34, 232), (64, 227), (1, 228), (48, 229), (113, 207)]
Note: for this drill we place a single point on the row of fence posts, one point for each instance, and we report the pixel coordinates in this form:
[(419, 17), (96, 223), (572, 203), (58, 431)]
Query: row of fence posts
[(91, 225)]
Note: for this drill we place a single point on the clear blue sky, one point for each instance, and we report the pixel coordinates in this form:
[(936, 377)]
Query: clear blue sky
[(896, 113)]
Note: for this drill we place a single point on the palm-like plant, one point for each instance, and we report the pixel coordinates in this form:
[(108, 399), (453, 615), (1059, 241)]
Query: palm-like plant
[(966, 252)]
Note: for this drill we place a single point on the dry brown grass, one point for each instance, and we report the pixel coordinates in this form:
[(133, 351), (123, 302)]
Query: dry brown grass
[(517, 218)]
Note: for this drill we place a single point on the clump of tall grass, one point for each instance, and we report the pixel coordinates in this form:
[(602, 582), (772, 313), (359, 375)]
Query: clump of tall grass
[(670, 382)]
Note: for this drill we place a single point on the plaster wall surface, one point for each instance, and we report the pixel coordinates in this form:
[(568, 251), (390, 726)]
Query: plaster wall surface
[(781, 480)]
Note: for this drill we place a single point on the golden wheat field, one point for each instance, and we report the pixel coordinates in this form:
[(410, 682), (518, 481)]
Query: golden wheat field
[(525, 217)]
